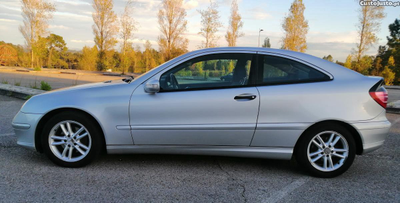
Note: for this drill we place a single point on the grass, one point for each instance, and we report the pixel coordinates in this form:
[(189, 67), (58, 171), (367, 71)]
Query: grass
[(4, 82), (45, 86), (34, 86)]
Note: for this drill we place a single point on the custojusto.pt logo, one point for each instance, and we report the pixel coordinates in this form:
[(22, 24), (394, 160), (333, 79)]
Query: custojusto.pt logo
[(380, 3)]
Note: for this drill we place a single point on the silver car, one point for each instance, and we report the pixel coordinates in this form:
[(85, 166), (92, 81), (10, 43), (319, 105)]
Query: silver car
[(278, 104)]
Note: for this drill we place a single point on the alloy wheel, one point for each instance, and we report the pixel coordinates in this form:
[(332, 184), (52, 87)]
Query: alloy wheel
[(70, 141), (327, 151)]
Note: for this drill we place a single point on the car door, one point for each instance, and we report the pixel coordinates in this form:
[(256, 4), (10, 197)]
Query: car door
[(293, 93), (195, 106)]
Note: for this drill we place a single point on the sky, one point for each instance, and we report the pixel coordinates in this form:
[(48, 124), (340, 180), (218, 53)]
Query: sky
[(332, 23)]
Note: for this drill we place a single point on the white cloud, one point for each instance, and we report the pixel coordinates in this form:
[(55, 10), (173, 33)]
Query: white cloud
[(190, 4), (7, 20), (74, 15), (74, 2), (11, 8), (82, 41), (259, 13), (59, 27), (341, 37)]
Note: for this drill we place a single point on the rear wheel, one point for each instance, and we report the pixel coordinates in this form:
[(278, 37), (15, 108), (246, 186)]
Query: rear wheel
[(326, 151), (71, 139)]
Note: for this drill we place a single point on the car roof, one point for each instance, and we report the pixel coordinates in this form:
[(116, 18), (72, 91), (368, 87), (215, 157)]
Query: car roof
[(335, 69)]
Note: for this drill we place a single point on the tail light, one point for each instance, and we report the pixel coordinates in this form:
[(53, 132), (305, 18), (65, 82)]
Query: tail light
[(379, 94)]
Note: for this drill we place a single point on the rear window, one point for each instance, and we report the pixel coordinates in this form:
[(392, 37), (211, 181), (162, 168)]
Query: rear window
[(277, 70)]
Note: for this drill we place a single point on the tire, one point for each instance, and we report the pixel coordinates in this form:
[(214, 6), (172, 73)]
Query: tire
[(330, 158), (71, 151)]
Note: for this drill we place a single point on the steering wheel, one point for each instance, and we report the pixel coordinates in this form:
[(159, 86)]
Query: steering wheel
[(173, 81)]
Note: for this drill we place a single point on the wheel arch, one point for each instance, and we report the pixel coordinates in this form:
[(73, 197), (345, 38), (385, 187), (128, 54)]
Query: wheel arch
[(356, 135), (42, 122)]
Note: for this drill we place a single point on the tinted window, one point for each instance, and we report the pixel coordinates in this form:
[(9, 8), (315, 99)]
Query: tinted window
[(281, 70), (212, 71)]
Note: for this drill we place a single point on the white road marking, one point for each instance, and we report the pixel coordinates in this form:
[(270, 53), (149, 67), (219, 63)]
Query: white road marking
[(280, 194), (7, 134)]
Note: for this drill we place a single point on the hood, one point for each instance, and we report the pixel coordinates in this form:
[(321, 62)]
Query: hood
[(88, 86), (81, 96)]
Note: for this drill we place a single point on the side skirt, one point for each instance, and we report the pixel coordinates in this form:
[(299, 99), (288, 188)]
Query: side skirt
[(253, 152)]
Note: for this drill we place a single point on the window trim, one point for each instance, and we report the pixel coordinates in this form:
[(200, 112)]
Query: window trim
[(260, 72), (251, 81)]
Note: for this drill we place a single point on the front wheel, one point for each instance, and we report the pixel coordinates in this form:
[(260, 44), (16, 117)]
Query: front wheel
[(326, 151), (71, 139)]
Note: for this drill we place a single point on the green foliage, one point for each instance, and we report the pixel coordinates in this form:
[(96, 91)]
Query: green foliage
[(45, 86), (328, 58), (88, 58), (56, 47), (184, 73), (34, 86), (4, 82), (364, 65), (17, 84), (266, 43), (28, 97), (388, 75), (389, 55), (37, 68), (348, 63)]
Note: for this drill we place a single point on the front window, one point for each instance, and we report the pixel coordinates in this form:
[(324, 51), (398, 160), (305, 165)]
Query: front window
[(211, 71)]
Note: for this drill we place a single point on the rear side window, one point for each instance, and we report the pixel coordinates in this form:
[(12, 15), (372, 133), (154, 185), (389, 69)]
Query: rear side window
[(277, 70)]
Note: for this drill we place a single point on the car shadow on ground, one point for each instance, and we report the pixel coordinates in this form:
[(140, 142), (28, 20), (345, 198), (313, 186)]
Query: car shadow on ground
[(194, 162)]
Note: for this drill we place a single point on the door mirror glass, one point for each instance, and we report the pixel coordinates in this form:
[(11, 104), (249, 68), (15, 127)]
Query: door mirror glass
[(152, 86)]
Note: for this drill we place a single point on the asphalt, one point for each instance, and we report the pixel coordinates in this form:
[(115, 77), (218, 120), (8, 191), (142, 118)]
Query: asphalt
[(28, 176), (394, 95)]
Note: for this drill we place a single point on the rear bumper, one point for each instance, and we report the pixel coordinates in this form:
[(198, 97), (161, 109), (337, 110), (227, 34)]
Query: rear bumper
[(373, 134), (24, 127)]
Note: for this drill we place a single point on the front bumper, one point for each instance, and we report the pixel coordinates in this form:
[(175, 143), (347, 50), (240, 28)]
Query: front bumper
[(24, 125), (373, 134)]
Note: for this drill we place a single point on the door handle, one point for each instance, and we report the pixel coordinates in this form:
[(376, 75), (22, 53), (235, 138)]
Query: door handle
[(245, 96)]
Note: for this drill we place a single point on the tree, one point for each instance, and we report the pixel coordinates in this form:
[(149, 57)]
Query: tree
[(210, 24), (89, 58), (172, 22), (295, 27), (266, 43), (35, 14), (364, 65), (149, 59), (394, 38), (56, 47), (387, 73), (105, 29), (127, 28), (8, 55), (377, 67), (328, 58), (369, 23), (348, 63), (235, 24)]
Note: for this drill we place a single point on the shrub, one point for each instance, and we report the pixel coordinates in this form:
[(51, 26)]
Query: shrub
[(45, 86)]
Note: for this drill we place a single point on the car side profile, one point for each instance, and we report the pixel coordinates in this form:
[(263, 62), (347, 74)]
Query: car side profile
[(278, 104)]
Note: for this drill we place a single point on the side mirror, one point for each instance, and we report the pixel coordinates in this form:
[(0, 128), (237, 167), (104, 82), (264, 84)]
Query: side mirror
[(152, 86)]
